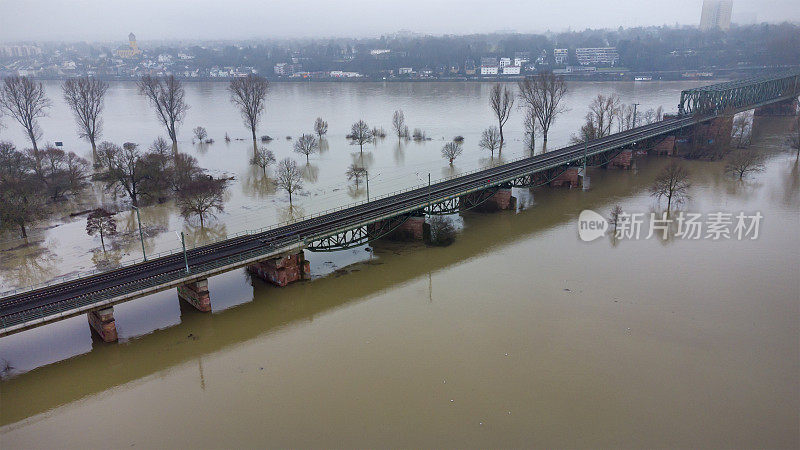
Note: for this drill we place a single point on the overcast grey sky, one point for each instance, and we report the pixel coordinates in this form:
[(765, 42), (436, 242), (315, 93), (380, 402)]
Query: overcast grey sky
[(44, 20)]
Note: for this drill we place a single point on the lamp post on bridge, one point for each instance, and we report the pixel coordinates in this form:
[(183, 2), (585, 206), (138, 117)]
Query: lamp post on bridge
[(635, 105), (183, 244), (141, 236), (584, 184)]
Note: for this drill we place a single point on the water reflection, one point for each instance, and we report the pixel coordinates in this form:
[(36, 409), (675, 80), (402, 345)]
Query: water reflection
[(197, 235), (256, 183), (310, 172)]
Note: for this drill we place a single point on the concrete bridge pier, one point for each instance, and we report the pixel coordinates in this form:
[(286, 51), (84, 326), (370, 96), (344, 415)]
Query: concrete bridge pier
[(784, 108), (663, 147), (570, 178), (282, 270), (708, 140), (102, 322), (499, 201), (196, 294)]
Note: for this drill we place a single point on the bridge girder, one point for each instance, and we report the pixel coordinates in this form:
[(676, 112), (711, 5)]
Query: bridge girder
[(739, 94)]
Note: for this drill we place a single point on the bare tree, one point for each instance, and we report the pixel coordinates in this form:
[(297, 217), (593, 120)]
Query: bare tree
[(200, 134), (502, 102), (627, 117), (25, 101), (742, 129), (603, 112), (451, 151), (399, 124), (613, 219), (201, 197), (249, 94), (167, 96), (22, 200), (356, 173), (85, 97), (101, 221), (288, 177), (125, 168), (543, 94), (360, 134), (307, 145), (673, 184), (490, 139), (529, 122), (443, 232), (160, 146), (320, 127), (263, 158), (743, 162)]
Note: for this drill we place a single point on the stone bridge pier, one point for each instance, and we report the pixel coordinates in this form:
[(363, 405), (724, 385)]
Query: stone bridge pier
[(282, 270), (102, 322), (196, 294), (784, 108), (499, 201), (570, 178), (413, 229)]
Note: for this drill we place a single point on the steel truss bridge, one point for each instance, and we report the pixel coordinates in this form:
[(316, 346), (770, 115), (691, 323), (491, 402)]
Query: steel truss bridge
[(357, 225)]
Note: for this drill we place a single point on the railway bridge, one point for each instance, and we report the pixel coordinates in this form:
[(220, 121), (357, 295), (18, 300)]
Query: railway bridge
[(276, 254)]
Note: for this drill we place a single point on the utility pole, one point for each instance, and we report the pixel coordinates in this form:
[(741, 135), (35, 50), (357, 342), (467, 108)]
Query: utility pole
[(367, 176), (635, 105), (429, 191), (141, 236), (185, 258), (584, 184)]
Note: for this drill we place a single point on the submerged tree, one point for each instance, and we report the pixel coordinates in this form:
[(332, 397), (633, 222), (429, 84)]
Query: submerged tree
[(200, 134), (673, 184), (25, 101), (85, 97), (126, 169), (543, 93), (201, 197), (263, 158), (360, 134), (22, 201), (490, 139), (306, 145), (249, 94), (743, 162), (101, 221), (529, 123), (288, 177), (399, 124), (451, 151), (614, 218), (742, 130), (356, 173), (167, 97), (502, 102), (443, 232), (793, 139), (320, 127)]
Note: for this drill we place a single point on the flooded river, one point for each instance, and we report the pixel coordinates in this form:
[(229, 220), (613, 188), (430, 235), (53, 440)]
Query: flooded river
[(517, 335)]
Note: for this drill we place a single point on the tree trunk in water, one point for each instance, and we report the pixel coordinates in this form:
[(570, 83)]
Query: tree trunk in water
[(24, 231), (290, 198), (102, 242), (255, 147), (501, 139)]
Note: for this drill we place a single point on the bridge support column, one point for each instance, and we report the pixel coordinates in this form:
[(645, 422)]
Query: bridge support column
[(282, 270), (784, 108), (623, 160), (413, 229), (664, 147), (103, 323), (710, 140), (499, 201), (570, 179), (196, 294)]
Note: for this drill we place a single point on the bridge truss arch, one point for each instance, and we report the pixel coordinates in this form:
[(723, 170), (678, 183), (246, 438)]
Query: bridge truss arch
[(740, 94)]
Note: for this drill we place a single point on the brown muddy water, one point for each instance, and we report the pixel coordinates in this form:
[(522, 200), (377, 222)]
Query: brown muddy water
[(517, 335)]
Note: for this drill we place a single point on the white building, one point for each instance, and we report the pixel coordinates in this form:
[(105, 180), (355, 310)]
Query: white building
[(405, 70), (561, 55), (511, 70), (716, 15), (505, 62), (489, 70), (597, 56)]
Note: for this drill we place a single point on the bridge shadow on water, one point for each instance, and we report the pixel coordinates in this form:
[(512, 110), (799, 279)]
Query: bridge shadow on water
[(263, 309)]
